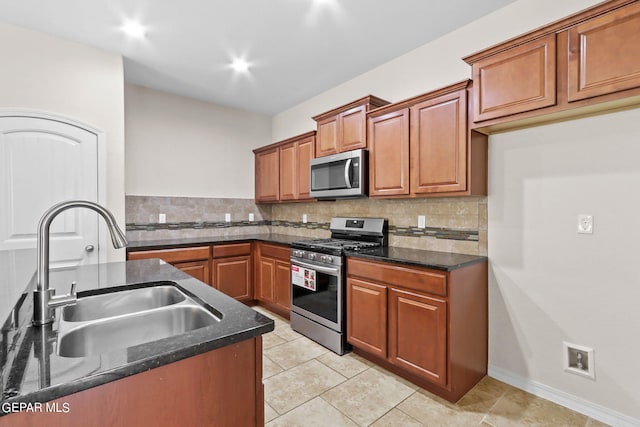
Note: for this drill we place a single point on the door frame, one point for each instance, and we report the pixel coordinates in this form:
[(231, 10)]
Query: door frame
[(101, 150)]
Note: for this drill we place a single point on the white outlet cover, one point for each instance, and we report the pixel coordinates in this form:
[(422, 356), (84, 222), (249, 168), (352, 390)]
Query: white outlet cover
[(585, 224), (251, 217), (227, 217), (304, 218), (422, 221), (162, 218), (587, 371)]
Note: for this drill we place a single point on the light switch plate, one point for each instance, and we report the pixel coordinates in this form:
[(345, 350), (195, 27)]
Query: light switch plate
[(585, 224)]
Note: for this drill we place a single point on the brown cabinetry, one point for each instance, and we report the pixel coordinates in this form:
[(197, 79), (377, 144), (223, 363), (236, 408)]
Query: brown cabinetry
[(586, 63), (232, 270), (282, 169), (267, 179), (273, 283), (519, 79), (604, 54), (344, 128), (423, 146), (426, 325), (193, 261)]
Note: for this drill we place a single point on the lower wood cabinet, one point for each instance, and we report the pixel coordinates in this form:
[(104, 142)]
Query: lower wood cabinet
[(273, 282), (232, 270), (193, 260), (429, 326)]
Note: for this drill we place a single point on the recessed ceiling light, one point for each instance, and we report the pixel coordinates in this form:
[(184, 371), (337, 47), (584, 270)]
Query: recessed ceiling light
[(134, 29), (240, 65)]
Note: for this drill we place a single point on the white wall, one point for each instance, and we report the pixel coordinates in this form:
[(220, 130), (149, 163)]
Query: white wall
[(46, 73), (550, 284), (547, 284), (178, 146)]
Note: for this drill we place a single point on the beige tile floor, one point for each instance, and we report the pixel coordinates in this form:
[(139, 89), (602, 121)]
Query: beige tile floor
[(307, 385)]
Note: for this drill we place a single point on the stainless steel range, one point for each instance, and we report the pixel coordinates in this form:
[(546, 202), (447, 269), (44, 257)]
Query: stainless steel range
[(318, 278)]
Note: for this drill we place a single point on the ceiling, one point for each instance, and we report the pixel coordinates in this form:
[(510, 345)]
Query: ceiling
[(296, 49)]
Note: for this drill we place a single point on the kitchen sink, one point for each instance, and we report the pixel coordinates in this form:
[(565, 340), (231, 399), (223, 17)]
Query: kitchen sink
[(126, 318), (122, 302)]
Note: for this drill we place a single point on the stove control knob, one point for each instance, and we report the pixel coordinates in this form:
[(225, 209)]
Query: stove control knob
[(329, 258), (312, 256), (323, 258)]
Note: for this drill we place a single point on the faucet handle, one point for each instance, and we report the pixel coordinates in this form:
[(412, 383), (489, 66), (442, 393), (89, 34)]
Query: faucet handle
[(72, 293)]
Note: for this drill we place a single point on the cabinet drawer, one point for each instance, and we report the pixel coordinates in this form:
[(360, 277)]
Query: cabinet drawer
[(275, 251), (174, 255), (236, 249), (419, 279)]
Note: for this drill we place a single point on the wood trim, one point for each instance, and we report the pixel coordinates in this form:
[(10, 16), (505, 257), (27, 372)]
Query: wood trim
[(284, 141), (173, 255), (414, 278), (370, 101), (232, 249), (275, 251)]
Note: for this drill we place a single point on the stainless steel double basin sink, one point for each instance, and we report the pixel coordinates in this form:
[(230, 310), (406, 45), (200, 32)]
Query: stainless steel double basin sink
[(117, 320)]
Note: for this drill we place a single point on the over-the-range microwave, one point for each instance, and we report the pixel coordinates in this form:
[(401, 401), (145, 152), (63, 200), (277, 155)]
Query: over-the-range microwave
[(340, 176)]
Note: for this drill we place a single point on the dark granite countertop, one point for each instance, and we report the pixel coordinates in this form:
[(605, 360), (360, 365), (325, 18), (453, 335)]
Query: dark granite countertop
[(143, 245), (420, 258), (32, 371)]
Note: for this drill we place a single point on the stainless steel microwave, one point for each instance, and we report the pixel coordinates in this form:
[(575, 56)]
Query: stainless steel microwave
[(340, 176)]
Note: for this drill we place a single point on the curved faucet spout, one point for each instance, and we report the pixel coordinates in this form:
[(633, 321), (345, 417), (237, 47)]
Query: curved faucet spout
[(44, 299)]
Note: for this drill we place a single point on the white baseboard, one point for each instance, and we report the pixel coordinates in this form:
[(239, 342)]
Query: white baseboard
[(578, 404)]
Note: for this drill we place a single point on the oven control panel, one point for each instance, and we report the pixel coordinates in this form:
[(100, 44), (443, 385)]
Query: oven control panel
[(316, 257)]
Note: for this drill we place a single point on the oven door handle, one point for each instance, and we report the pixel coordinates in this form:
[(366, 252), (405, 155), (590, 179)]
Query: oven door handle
[(327, 270)]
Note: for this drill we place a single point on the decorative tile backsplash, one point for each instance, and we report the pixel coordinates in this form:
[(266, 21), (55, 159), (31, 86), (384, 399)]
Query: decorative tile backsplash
[(452, 224)]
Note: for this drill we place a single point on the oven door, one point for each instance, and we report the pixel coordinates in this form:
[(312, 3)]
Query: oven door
[(316, 293)]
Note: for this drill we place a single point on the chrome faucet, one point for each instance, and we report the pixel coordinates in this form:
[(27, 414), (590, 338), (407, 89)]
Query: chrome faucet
[(44, 299)]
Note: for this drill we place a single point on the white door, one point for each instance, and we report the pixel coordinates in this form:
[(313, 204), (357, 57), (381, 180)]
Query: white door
[(43, 162)]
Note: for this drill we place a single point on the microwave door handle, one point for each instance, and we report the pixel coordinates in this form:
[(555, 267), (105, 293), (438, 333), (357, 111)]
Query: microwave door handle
[(347, 168), (326, 270)]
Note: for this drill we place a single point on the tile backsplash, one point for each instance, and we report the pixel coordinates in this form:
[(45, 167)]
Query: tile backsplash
[(452, 224)]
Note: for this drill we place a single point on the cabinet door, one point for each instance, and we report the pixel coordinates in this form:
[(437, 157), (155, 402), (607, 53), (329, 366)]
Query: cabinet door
[(367, 316), (197, 269), (267, 185), (327, 136), (352, 129), (389, 154), (604, 54), (516, 80), (418, 334), (305, 150), (232, 276), (282, 291), (439, 144), (266, 279), (288, 172)]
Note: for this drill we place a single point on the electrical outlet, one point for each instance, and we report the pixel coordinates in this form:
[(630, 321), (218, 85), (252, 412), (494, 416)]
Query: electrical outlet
[(304, 218), (227, 217), (585, 224), (251, 217), (578, 359), (422, 221), (162, 218)]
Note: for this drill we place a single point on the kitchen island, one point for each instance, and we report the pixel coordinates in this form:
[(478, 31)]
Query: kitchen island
[(208, 376)]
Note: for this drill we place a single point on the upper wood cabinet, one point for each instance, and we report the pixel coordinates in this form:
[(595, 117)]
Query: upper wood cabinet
[(267, 179), (294, 167), (519, 79), (604, 54), (586, 63), (282, 169), (422, 146), (344, 128)]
